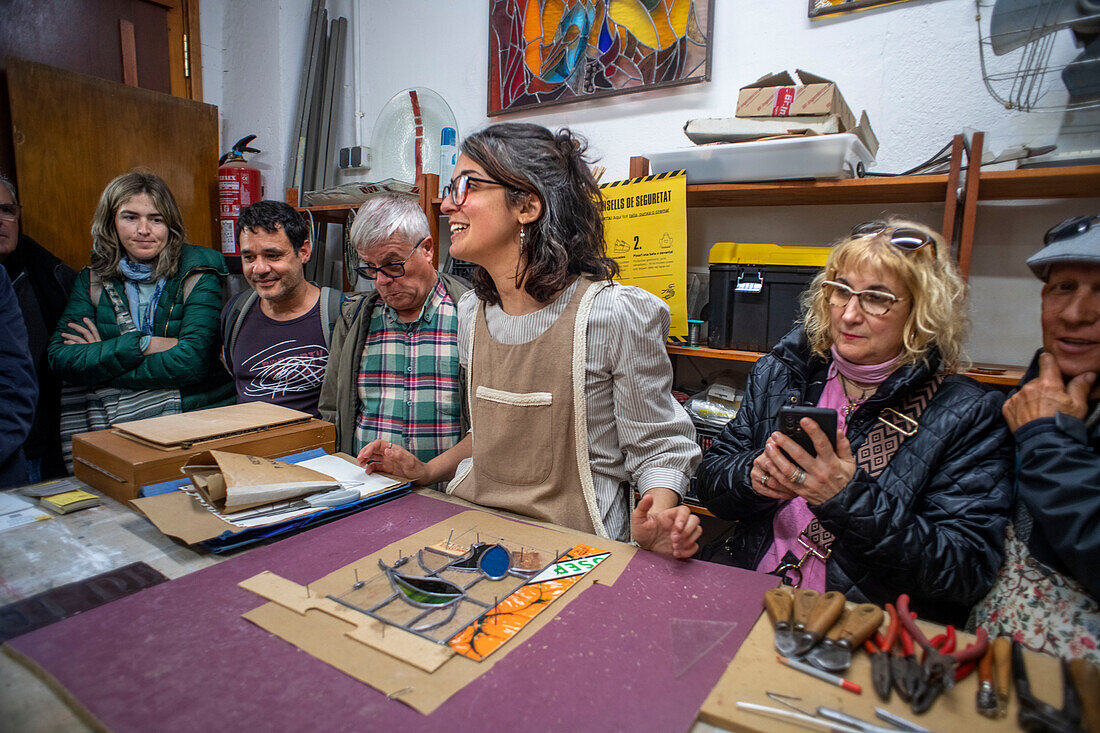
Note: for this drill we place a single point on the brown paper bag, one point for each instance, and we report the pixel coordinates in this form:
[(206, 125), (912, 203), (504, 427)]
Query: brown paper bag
[(234, 482)]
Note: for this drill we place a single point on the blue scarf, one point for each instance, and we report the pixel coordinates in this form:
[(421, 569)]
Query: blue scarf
[(141, 309)]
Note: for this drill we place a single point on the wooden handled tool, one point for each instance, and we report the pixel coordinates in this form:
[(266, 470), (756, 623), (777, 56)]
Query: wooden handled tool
[(1086, 678), (858, 625), (826, 610), (779, 604), (803, 606), (986, 698), (1002, 672)]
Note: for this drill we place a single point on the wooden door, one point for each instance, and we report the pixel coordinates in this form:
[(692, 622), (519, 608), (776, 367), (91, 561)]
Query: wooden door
[(74, 133), (153, 43)]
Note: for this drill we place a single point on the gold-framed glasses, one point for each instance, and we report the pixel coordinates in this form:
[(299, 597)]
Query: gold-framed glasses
[(871, 302)]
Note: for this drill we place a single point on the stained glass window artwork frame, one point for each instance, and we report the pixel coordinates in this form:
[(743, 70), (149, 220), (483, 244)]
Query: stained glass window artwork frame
[(820, 8), (550, 52)]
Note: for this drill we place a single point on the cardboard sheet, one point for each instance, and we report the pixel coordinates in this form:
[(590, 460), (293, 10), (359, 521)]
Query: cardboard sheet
[(179, 514), (755, 672), (407, 682), (419, 652), (174, 431)]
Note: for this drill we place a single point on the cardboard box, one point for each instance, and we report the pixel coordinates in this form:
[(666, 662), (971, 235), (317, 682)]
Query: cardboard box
[(803, 95), (119, 466), (783, 95)]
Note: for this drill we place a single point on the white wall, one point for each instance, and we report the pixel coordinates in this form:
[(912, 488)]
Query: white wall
[(914, 67)]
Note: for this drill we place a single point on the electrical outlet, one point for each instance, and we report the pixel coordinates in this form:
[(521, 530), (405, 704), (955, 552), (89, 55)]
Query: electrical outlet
[(357, 156)]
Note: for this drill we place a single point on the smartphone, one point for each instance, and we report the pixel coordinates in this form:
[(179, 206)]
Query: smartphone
[(790, 415)]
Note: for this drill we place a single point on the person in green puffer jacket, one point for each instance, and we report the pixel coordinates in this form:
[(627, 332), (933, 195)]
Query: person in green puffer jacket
[(171, 290)]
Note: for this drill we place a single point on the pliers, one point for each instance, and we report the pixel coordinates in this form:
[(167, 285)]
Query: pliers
[(939, 667), (908, 677), (1037, 716), (882, 651)]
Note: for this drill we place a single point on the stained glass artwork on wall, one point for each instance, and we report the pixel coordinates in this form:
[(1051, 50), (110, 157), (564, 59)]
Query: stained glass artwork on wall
[(544, 52), (820, 8)]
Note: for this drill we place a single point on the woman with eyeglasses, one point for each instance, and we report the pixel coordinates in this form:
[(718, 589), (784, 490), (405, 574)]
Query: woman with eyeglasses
[(140, 331), (566, 370), (914, 497)]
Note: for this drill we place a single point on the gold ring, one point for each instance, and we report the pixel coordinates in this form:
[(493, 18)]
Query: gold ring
[(764, 479)]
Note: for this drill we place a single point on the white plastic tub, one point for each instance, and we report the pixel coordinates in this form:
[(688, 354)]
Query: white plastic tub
[(842, 155)]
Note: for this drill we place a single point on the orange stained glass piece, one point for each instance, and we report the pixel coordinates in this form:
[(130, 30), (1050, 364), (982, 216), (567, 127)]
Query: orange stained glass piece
[(507, 618)]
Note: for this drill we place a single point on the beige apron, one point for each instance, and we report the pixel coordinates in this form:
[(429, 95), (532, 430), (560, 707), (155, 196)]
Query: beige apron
[(530, 433)]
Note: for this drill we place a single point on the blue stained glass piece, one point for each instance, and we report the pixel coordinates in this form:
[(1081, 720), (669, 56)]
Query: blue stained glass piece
[(605, 38), (495, 562)]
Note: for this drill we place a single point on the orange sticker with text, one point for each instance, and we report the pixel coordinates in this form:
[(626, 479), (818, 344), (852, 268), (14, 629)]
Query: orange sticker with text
[(500, 623)]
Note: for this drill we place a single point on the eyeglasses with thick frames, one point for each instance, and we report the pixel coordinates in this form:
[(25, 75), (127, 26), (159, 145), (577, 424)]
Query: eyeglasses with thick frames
[(1069, 228), (459, 187), (904, 238), (393, 270), (9, 212), (871, 302)]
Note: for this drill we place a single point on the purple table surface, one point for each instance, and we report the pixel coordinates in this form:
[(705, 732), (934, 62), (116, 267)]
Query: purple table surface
[(179, 657)]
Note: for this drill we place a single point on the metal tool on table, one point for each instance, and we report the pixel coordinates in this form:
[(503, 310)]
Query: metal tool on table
[(837, 719), (802, 608), (327, 498), (1036, 716), (939, 667), (779, 603), (881, 650), (944, 644), (825, 611), (835, 655), (905, 670), (985, 699), (1002, 672)]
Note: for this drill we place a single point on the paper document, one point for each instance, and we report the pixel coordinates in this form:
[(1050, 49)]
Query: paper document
[(16, 511), (349, 474)]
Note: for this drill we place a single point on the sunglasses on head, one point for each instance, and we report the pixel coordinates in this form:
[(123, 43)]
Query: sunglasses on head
[(908, 239), (1069, 228)]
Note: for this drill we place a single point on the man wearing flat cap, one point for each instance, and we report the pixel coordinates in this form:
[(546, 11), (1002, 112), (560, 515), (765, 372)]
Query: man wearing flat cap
[(1051, 577)]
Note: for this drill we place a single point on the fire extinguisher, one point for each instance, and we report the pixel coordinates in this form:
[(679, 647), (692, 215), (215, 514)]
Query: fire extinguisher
[(238, 186)]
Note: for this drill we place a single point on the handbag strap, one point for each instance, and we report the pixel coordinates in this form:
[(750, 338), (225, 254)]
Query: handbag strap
[(893, 427), (882, 443)]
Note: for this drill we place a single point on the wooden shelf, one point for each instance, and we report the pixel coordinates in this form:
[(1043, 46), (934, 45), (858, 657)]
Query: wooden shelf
[(1000, 375), (1081, 181), (886, 190), (708, 353)]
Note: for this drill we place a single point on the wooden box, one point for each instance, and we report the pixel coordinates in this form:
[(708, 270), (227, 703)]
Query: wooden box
[(119, 466)]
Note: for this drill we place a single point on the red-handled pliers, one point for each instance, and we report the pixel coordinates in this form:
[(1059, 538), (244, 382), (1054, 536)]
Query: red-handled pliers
[(939, 667), (881, 651)]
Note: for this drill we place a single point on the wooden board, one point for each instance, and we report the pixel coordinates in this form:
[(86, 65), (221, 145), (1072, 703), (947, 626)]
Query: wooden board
[(74, 133), (754, 672)]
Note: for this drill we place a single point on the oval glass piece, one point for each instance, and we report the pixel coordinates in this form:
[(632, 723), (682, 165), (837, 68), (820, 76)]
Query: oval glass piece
[(495, 562)]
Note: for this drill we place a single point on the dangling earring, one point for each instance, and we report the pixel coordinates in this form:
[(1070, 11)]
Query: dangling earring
[(522, 237)]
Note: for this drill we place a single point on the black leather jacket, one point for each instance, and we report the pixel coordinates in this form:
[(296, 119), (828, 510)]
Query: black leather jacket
[(1058, 485), (931, 524)]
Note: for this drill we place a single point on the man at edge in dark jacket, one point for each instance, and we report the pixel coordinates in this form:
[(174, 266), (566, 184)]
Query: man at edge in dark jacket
[(42, 284)]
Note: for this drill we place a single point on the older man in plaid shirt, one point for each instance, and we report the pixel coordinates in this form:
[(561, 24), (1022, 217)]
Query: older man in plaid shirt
[(393, 369)]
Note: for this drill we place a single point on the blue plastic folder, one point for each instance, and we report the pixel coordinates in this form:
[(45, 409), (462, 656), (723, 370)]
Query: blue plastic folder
[(228, 541)]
